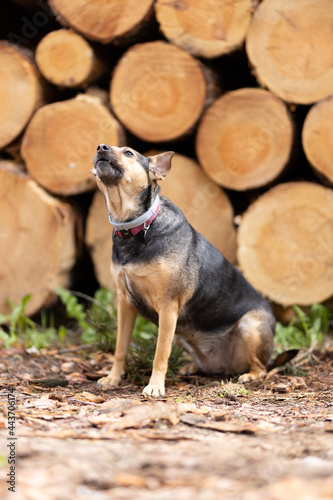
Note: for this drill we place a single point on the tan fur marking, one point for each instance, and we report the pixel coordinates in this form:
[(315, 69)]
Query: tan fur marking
[(126, 319), (258, 345), (122, 199), (167, 324), (159, 283)]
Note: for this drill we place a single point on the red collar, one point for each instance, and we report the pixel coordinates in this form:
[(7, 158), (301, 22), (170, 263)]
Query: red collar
[(145, 226)]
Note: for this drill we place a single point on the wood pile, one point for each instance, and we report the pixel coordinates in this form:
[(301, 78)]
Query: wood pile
[(242, 90)]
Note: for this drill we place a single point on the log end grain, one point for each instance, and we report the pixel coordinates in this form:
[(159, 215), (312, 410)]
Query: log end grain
[(104, 20), (289, 45), (285, 243), (158, 91), (205, 205), (20, 92), (37, 238), (205, 28), (60, 142), (245, 138), (317, 138), (66, 59)]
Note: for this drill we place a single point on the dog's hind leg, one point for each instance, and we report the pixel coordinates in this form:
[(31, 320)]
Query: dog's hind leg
[(168, 316), (254, 342), (126, 319)]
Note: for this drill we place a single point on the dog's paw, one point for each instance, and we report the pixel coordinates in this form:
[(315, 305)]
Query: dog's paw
[(154, 390), (106, 383), (248, 377)]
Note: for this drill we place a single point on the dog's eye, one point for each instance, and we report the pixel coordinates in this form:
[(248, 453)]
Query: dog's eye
[(127, 152)]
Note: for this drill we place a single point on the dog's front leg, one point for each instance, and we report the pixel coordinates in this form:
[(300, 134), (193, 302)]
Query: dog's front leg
[(126, 319), (167, 324)]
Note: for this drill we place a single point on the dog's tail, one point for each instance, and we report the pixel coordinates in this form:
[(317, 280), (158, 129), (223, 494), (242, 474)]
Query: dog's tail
[(281, 359)]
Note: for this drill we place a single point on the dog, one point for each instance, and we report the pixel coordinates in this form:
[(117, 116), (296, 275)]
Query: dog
[(169, 273)]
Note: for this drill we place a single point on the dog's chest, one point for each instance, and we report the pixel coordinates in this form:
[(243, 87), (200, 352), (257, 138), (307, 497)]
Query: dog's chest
[(145, 286)]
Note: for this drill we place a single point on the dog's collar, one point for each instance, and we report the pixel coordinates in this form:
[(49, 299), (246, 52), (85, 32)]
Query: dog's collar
[(141, 223)]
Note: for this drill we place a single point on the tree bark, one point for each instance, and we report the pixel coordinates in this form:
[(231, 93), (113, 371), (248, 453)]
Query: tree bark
[(20, 92), (245, 139), (289, 44), (205, 28), (285, 243), (37, 237), (317, 138), (152, 97), (66, 59), (105, 20), (61, 140)]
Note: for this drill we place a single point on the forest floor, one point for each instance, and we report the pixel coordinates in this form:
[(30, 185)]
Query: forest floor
[(269, 440)]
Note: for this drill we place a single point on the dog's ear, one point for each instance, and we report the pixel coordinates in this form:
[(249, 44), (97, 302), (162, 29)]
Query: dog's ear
[(159, 165)]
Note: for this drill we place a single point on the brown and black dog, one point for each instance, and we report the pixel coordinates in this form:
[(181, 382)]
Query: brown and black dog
[(174, 277)]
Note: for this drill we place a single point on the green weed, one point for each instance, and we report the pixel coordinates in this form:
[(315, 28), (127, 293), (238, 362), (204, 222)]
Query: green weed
[(142, 351), (233, 390), (97, 321), (17, 326), (304, 331)]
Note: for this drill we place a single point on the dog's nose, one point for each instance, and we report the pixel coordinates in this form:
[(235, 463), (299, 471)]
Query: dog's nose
[(103, 147)]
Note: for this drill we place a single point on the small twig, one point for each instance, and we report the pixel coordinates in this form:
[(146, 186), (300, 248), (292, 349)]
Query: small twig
[(86, 297), (74, 349), (46, 382), (90, 299)]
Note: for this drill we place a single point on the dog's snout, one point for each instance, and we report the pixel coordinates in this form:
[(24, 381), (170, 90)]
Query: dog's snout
[(103, 147)]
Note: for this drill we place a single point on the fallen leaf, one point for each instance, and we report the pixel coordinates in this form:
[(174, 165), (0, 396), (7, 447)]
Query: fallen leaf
[(32, 350), (87, 396), (126, 479), (67, 367), (145, 414), (76, 378), (120, 404)]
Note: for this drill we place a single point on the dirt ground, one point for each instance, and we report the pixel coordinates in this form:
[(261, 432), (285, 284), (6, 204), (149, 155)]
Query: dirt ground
[(272, 440)]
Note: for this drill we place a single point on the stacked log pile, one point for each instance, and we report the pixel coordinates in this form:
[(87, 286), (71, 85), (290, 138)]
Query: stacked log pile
[(242, 90)]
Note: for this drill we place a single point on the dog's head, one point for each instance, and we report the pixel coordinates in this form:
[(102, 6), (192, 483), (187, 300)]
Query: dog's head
[(133, 175), (112, 165)]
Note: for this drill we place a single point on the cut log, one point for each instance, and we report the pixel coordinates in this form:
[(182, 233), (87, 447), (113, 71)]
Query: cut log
[(152, 97), (20, 92), (317, 138), (245, 138), (285, 243), (289, 44), (66, 59), (37, 248), (103, 20), (205, 205), (205, 28), (99, 241), (60, 143)]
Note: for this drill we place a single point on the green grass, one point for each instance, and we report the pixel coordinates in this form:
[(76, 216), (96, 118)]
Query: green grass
[(233, 390), (18, 327), (305, 330)]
